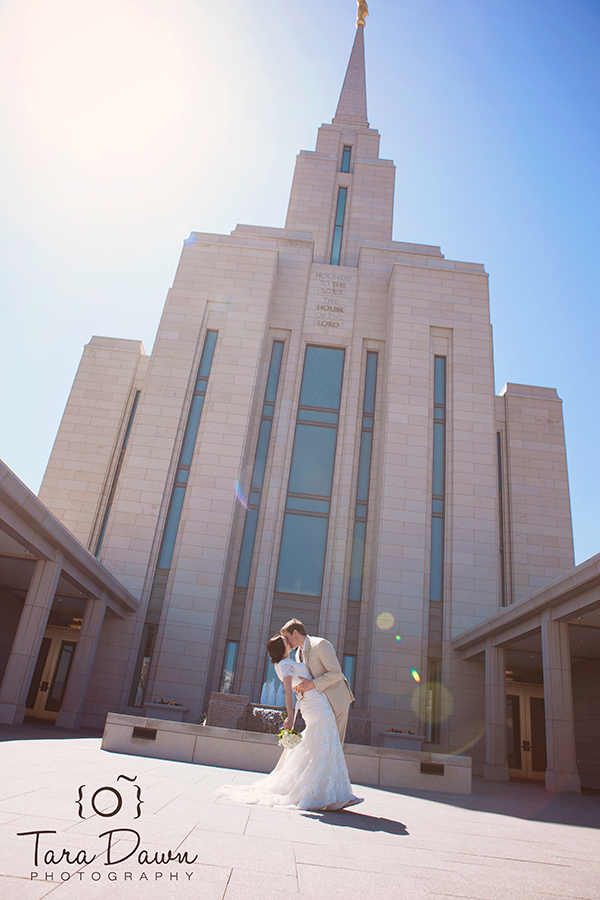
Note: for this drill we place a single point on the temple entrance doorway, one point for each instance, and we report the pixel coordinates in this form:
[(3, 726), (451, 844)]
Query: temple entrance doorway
[(51, 673), (526, 731)]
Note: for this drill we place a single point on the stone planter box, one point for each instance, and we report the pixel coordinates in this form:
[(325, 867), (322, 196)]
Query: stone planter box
[(396, 741), (165, 711), (249, 751)]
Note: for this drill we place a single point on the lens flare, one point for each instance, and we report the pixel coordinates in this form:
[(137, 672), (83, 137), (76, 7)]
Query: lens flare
[(398, 638), (415, 675), (432, 702), (240, 495), (385, 621)]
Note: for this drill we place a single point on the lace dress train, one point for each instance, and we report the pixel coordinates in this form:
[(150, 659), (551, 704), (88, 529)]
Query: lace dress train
[(312, 775)]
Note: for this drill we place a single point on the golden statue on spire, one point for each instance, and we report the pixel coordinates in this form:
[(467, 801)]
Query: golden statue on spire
[(362, 13)]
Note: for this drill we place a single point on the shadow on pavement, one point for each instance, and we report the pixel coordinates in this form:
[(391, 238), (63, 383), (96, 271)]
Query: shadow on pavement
[(526, 800), (358, 820), (40, 731)]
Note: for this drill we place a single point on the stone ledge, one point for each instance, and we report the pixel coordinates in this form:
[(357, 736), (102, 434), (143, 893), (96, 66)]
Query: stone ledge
[(229, 748)]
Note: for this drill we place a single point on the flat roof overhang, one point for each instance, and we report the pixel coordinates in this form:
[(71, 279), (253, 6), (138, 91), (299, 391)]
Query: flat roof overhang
[(573, 598), (30, 532)]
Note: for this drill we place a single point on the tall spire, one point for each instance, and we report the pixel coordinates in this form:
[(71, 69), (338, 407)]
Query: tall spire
[(352, 106)]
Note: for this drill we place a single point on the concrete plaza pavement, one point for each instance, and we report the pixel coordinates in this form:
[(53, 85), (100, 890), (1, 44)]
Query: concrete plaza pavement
[(504, 842)]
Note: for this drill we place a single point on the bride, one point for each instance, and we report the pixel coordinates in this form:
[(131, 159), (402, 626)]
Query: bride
[(312, 775)]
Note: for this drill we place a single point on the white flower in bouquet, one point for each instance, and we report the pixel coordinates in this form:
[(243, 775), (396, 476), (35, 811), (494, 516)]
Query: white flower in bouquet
[(289, 738)]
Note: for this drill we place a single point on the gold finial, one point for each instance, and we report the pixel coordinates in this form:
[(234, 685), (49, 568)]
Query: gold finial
[(362, 13)]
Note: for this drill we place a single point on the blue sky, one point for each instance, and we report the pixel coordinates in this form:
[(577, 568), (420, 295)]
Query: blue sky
[(128, 123)]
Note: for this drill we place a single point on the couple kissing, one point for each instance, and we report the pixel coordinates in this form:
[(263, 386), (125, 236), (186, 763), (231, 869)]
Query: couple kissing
[(312, 775)]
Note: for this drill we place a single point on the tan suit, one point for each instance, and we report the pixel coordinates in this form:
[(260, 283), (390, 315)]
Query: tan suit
[(328, 678)]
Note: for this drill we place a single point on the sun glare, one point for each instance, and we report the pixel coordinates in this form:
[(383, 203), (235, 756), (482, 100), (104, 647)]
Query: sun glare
[(102, 83)]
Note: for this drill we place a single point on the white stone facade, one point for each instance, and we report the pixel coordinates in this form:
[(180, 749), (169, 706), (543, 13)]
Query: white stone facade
[(405, 302)]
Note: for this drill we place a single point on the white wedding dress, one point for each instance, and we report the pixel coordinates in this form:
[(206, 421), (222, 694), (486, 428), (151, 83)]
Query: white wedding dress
[(312, 775)]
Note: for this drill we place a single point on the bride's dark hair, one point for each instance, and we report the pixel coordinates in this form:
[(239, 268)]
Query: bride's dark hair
[(276, 648)]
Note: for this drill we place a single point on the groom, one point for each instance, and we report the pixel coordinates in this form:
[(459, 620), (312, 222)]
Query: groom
[(327, 677)]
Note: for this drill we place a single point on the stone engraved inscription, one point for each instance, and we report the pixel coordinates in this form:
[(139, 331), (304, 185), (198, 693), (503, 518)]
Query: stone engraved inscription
[(333, 291)]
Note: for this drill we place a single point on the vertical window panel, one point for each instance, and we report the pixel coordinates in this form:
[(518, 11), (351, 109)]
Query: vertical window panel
[(260, 462), (370, 379), (357, 559), (207, 354), (356, 565), (437, 551), (341, 207), (346, 159), (439, 382), (262, 449), (231, 652), (339, 226), (140, 681), (191, 431), (438, 458), (113, 487), (313, 459), (349, 670), (166, 554), (364, 466), (302, 555), (322, 378), (247, 548), (336, 247), (274, 371)]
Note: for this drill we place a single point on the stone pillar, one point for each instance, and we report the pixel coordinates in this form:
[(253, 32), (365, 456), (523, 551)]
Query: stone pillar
[(561, 771), (28, 640), (79, 676), (496, 756)]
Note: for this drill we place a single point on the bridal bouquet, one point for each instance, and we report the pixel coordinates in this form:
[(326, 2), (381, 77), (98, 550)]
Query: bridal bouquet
[(289, 738)]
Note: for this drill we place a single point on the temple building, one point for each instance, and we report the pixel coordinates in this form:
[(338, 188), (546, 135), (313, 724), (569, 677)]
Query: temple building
[(316, 434)]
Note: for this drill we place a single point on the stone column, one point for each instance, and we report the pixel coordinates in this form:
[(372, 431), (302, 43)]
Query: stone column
[(28, 640), (561, 771), (496, 756), (85, 652)]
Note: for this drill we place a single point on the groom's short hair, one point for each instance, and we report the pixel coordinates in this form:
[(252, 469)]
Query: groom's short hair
[(294, 625)]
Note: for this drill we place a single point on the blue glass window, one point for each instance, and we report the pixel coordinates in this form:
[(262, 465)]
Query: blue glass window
[(364, 466), (166, 554), (113, 487), (438, 458), (349, 670), (339, 226), (357, 560), (262, 450), (439, 380), (231, 652), (247, 548), (207, 354), (260, 462), (191, 432), (312, 461), (356, 566), (370, 380), (302, 555), (274, 370), (346, 159), (322, 378), (303, 541)]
